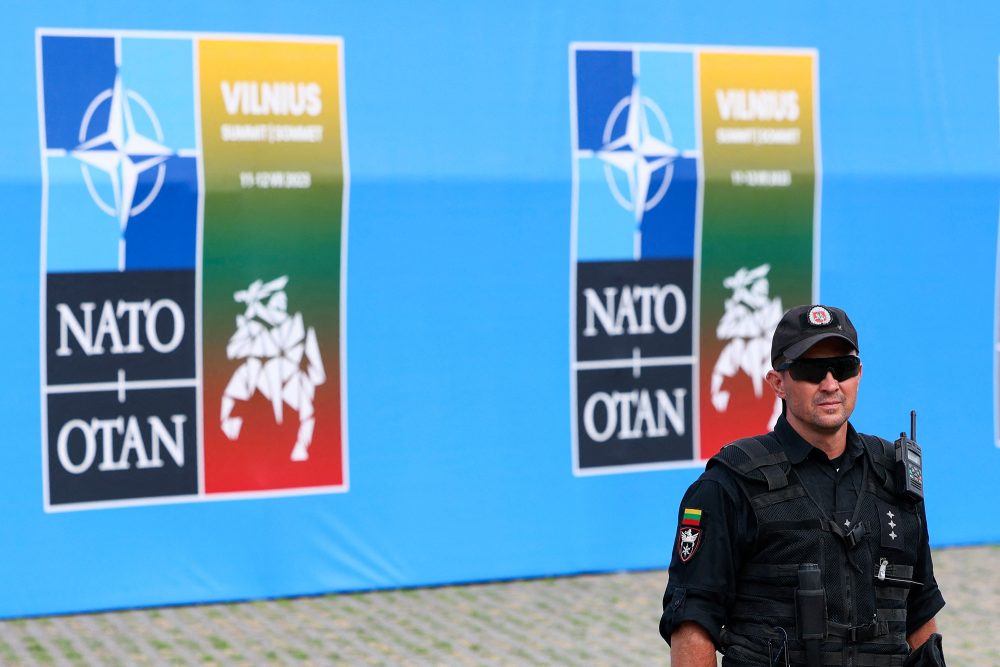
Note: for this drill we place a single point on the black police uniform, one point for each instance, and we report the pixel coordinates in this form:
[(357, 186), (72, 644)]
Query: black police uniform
[(768, 504)]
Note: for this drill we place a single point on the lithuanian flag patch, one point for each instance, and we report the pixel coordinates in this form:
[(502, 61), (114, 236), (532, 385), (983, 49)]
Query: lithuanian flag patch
[(692, 517)]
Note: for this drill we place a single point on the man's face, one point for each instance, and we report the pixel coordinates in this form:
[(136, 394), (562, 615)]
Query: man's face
[(823, 407)]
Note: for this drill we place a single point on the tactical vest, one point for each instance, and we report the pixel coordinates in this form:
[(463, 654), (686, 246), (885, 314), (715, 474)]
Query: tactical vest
[(867, 567)]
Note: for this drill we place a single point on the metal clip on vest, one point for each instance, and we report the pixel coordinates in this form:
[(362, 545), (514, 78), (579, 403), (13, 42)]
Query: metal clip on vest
[(778, 649), (852, 538), (810, 612)]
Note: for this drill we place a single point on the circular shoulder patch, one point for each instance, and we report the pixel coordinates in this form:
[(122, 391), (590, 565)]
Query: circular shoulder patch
[(819, 316)]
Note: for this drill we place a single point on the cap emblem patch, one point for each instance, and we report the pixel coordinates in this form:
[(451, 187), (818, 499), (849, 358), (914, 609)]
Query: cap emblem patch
[(819, 316)]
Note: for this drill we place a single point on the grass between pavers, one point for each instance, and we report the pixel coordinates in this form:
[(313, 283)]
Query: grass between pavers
[(218, 643), (7, 653), (67, 649), (37, 651)]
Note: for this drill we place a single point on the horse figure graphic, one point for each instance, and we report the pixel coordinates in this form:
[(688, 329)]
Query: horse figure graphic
[(748, 322), (274, 345)]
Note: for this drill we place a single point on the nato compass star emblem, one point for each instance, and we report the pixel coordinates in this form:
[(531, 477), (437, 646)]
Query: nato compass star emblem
[(641, 150), (121, 152)]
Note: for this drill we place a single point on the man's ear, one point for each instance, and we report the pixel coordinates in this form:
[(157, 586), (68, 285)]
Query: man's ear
[(777, 382)]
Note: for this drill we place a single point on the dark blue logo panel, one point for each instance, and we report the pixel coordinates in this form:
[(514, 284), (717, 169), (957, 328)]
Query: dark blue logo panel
[(111, 327), (103, 448), (624, 419)]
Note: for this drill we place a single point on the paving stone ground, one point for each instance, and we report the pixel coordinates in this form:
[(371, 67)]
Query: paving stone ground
[(606, 619)]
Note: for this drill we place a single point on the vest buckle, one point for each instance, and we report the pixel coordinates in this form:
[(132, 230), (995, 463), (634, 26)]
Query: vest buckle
[(853, 538)]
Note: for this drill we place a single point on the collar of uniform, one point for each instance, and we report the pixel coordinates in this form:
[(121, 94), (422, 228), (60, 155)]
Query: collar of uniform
[(797, 448)]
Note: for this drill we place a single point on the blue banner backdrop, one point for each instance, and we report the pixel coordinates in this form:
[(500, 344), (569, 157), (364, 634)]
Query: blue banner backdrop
[(458, 395)]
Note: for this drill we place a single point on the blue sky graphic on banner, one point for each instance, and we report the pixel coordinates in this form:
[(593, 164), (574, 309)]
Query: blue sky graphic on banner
[(119, 141), (637, 152)]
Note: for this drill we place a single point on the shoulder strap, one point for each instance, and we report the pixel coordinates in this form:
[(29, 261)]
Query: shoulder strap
[(882, 455), (759, 459)]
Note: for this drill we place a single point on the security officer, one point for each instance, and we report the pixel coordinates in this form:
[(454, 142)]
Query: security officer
[(797, 547)]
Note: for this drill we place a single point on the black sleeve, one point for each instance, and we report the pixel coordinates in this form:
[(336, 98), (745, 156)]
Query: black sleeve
[(924, 601), (705, 559)]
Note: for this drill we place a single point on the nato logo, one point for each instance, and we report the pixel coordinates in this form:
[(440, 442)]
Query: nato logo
[(119, 251), (636, 155), (119, 142), (636, 178)]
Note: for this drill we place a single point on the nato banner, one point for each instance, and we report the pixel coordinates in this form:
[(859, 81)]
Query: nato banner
[(695, 225), (194, 226)]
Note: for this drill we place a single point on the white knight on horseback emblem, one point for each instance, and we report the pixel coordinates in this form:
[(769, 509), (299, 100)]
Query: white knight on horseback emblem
[(281, 361), (748, 324)]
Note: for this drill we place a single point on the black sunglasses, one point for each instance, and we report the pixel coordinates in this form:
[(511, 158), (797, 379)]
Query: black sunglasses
[(814, 370)]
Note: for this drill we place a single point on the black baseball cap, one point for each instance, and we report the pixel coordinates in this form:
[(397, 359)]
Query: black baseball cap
[(803, 326)]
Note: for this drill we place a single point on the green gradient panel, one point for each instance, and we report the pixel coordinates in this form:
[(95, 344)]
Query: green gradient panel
[(256, 230), (758, 209)]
